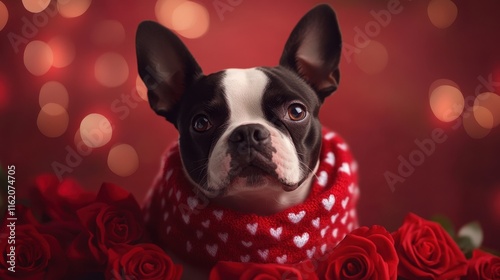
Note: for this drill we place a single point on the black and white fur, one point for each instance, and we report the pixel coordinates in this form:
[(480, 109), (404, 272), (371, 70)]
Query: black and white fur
[(249, 138)]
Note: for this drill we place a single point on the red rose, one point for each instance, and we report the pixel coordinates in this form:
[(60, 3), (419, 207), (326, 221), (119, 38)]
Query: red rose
[(55, 200), (114, 218), (225, 270), (143, 261), (426, 251), (483, 266), (365, 253), (37, 256)]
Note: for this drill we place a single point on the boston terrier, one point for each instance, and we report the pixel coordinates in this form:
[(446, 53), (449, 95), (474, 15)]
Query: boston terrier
[(249, 139)]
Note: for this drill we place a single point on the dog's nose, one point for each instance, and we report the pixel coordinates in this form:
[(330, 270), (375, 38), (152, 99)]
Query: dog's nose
[(249, 135)]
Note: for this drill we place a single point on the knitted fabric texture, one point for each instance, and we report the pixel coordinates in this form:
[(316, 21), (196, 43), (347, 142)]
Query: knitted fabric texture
[(203, 233)]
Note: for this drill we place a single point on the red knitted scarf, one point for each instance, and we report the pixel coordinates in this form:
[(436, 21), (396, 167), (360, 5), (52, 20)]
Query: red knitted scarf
[(203, 233)]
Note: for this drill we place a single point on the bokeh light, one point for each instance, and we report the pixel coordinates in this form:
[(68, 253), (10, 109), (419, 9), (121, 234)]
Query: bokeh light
[(472, 127), (38, 57), (95, 130), (111, 70), (141, 88), (487, 110), (4, 15), (483, 116), (64, 51), (442, 82), (53, 92), (73, 8), (373, 58), (52, 120), (442, 13), (123, 160), (164, 10), (108, 33), (447, 102), (190, 19), (35, 6)]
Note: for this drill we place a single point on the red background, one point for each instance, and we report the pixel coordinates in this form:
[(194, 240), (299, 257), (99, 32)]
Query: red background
[(380, 115)]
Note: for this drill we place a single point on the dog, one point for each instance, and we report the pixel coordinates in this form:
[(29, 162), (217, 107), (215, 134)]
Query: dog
[(250, 142)]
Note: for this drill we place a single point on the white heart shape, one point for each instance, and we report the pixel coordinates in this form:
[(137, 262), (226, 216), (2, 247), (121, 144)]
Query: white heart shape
[(252, 228), (329, 135), (263, 253), (344, 219), (328, 203), (352, 212), (192, 202), (185, 218), (188, 246), (323, 248), (342, 146), (351, 188), (333, 218), (282, 259), (344, 202), (310, 253), (168, 175), (330, 159), (212, 249), (323, 231), (301, 240), (295, 218), (315, 222), (354, 166), (199, 234), (168, 229), (165, 216), (178, 195), (246, 243), (245, 258), (276, 232), (218, 214), (323, 178), (335, 232), (223, 236), (345, 168), (350, 227), (206, 223)]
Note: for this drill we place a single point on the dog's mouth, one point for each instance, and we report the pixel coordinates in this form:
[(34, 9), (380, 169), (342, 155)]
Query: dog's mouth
[(258, 172)]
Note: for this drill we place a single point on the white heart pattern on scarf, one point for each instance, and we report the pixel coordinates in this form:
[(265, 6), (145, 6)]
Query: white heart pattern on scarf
[(328, 203), (276, 232), (212, 249), (295, 218), (252, 228), (300, 241), (323, 178)]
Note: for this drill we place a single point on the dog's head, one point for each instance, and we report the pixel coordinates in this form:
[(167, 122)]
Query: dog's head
[(245, 128)]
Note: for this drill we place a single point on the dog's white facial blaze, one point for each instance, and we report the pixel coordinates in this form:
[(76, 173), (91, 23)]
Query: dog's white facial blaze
[(244, 90)]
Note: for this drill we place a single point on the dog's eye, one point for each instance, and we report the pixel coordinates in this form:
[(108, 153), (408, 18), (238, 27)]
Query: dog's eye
[(297, 112), (201, 123)]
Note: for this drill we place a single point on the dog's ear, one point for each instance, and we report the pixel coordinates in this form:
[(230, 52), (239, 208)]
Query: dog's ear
[(313, 50), (166, 67)]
